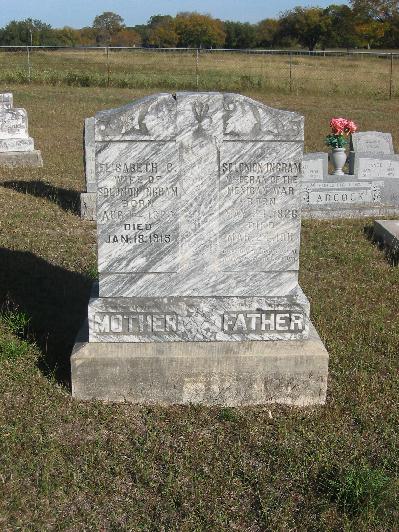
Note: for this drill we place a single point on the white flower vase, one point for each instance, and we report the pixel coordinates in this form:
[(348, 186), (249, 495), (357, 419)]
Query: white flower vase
[(338, 159)]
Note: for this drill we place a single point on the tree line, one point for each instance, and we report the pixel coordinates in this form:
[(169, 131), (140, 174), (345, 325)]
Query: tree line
[(363, 24)]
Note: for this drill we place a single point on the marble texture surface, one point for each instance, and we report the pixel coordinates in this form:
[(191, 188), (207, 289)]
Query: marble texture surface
[(6, 100), (17, 144), (376, 167), (340, 193), (88, 206), (16, 147), (15, 159), (198, 194), (13, 124), (314, 166), (372, 143), (198, 319), (89, 155)]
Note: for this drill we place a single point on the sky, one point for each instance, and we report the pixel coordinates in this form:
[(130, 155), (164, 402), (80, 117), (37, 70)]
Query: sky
[(79, 13)]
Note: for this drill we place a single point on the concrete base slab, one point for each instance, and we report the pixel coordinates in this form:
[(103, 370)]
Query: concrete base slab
[(14, 159), (386, 232), (209, 373), (349, 212)]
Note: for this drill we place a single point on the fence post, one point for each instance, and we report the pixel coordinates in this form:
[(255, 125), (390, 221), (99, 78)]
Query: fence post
[(197, 69), (290, 72), (29, 65), (108, 68), (391, 77)]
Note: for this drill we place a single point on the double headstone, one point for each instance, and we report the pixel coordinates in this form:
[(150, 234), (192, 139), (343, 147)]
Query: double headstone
[(373, 189), (198, 227), (16, 147)]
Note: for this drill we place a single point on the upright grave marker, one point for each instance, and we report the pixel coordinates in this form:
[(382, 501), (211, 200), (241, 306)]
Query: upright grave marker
[(16, 147), (314, 166), (366, 146), (198, 226)]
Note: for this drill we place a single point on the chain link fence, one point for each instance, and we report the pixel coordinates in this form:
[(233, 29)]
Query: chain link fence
[(352, 73)]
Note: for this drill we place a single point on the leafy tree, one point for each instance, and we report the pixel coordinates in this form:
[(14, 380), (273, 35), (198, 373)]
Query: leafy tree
[(66, 36), (267, 32), (239, 34), (162, 31), (370, 32), (200, 31), (375, 9), (126, 37), (28, 31), (374, 19), (87, 36), (107, 25), (341, 31), (391, 37), (307, 24)]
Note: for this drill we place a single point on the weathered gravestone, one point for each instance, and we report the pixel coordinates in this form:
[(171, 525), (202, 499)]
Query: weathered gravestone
[(372, 190), (198, 226), (369, 145), (6, 100), (314, 166), (372, 142), (16, 147), (348, 196), (88, 198)]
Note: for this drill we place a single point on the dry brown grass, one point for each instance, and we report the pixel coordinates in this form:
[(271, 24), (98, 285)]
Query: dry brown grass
[(351, 75)]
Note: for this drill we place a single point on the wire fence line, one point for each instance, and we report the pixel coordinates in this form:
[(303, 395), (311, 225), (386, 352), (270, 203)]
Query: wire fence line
[(341, 72)]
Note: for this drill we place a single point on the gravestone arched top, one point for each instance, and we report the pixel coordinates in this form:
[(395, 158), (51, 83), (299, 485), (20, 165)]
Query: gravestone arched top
[(221, 116), (198, 194)]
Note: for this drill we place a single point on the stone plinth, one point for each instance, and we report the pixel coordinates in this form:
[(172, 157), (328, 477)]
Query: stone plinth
[(209, 373), (21, 158)]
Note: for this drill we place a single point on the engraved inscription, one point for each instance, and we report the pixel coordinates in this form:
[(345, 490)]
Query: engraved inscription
[(250, 321), (259, 207), (342, 193), (369, 168), (138, 195), (234, 322)]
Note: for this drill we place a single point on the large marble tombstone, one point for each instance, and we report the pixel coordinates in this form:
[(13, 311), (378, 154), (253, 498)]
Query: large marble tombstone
[(198, 227), (16, 147)]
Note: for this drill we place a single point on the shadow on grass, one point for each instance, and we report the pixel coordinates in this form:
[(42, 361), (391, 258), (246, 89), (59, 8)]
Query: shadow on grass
[(391, 252), (368, 231), (69, 200), (54, 298)]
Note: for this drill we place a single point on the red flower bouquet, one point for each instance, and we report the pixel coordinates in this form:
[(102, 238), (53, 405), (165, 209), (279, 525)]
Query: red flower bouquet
[(341, 129)]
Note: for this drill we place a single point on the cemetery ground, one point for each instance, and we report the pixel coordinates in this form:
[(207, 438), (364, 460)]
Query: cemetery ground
[(69, 465)]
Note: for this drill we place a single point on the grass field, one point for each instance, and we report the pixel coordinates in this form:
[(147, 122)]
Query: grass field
[(66, 465), (350, 75)]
